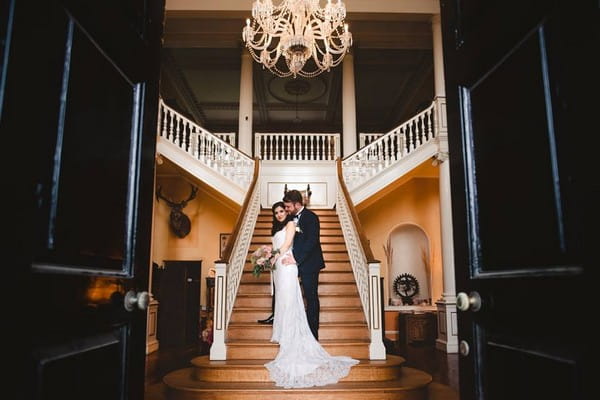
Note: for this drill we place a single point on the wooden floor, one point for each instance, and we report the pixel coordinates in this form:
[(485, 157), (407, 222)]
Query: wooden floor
[(441, 366)]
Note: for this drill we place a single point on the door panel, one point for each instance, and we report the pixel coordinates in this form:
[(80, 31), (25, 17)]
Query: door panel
[(79, 129), (510, 138), (521, 190), (92, 161)]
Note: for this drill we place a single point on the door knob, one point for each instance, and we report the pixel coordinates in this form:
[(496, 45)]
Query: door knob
[(140, 299), (464, 348), (470, 301)]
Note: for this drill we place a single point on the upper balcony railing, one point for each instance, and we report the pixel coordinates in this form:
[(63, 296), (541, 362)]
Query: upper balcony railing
[(204, 146), (397, 144), (297, 146)]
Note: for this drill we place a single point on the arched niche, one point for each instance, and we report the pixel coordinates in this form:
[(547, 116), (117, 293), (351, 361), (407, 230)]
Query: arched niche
[(409, 252)]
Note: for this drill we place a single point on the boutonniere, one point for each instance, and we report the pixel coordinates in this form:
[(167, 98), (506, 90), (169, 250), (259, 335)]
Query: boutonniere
[(298, 230)]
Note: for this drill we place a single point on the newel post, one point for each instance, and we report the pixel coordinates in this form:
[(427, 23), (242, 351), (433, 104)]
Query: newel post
[(376, 348), (218, 350)]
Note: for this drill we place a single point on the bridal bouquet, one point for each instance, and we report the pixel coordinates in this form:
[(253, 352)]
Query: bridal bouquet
[(263, 259)]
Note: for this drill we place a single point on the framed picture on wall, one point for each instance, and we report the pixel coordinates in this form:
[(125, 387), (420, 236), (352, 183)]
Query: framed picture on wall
[(223, 240)]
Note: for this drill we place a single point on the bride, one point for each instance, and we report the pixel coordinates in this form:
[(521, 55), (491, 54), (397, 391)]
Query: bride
[(301, 361)]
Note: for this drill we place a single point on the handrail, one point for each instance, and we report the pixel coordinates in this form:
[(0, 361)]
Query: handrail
[(229, 248), (363, 238)]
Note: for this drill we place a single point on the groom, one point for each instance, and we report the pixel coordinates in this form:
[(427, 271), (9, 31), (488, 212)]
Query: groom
[(307, 253)]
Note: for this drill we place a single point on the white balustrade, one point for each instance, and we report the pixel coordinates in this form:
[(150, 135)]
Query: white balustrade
[(237, 260), (365, 139), (390, 148), (228, 274), (297, 146), (227, 137), (207, 148), (366, 275)]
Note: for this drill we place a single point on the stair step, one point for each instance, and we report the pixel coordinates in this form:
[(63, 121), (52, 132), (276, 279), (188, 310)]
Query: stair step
[(337, 265), (323, 225), (254, 370), (266, 231), (346, 288), (330, 330), (411, 385), (264, 300), (322, 218), (327, 314), (330, 265), (266, 239), (318, 211), (324, 276), (240, 349), (326, 245)]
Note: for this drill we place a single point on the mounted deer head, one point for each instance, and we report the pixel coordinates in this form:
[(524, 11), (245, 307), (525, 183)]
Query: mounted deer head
[(178, 221)]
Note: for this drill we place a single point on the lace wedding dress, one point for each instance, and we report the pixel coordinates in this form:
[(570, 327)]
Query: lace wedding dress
[(301, 361)]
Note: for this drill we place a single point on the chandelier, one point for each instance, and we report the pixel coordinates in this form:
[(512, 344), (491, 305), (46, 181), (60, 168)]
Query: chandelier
[(300, 30)]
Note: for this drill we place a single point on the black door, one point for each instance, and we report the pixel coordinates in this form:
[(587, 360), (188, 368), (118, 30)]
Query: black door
[(518, 83), (79, 120), (178, 295)]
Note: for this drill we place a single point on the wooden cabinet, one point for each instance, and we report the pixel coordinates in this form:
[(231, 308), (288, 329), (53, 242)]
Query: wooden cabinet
[(417, 327)]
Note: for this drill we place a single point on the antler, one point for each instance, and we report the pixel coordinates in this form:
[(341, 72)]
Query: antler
[(160, 196), (192, 196), (171, 203)]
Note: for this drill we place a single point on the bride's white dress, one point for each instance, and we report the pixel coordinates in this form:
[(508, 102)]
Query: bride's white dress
[(301, 361)]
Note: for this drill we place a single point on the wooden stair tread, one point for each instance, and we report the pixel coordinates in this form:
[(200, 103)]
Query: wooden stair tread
[(411, 379), (204, 361), (342, 324), (323, 342)]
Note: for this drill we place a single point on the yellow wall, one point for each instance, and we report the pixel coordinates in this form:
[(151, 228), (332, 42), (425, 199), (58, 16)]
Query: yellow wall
[(209, 218), (416, 202)]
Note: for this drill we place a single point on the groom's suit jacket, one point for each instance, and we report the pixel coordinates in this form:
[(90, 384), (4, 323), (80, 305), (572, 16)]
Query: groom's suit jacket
[(307, 243)]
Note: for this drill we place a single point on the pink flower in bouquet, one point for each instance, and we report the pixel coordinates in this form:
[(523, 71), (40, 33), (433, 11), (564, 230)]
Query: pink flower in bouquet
[(263, 259)]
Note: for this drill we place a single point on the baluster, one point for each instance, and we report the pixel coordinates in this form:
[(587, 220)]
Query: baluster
[(270, 147), (170, 132), (193, 143), (293, 147), (411, 135), (287, 139), (313, 144), (430, 123), (301, 149), (164, 132)]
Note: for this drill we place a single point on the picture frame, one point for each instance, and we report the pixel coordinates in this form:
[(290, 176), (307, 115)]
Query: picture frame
[(223, 240)]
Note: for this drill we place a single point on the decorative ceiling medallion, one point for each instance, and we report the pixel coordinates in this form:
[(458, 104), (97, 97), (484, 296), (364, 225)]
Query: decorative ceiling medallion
[(297, 90)]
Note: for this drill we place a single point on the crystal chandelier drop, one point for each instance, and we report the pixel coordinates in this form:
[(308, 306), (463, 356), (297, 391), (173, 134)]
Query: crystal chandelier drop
[(300, 30)]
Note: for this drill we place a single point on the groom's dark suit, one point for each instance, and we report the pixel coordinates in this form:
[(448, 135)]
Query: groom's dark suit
[(309, 257)]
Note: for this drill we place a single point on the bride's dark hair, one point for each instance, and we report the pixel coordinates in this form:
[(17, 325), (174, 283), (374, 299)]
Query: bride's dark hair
[(277, 226)]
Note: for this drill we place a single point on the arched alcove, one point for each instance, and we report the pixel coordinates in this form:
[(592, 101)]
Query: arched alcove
[(410, 253)]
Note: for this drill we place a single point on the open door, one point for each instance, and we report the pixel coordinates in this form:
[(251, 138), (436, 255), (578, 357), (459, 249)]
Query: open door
[(79, 116), (517, 85)]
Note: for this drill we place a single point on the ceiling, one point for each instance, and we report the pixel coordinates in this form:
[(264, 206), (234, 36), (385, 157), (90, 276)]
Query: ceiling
[(201, 66)]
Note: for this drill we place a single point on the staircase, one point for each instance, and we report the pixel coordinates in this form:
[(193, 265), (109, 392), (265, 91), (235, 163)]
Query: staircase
[(343, 331)]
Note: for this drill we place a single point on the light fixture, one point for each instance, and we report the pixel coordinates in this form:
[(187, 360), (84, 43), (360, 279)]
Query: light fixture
[(300, 30)]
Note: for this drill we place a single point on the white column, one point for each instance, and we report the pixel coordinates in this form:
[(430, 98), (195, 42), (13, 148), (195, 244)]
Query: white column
[(245, 112), (447, 339), (438, 57), (218, 349), (348, 105), (376, 347)]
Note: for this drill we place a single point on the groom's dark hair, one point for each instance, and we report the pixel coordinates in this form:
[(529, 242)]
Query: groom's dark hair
[(293, 196)]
